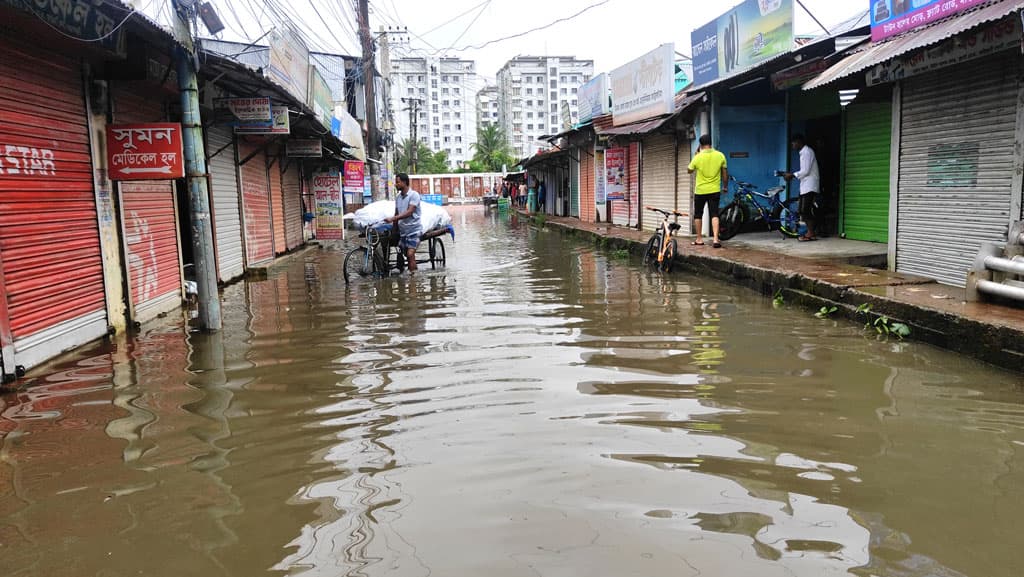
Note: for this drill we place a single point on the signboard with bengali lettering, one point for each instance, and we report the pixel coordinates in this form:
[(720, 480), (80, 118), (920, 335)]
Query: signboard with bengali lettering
[(645, 87), (145, 151), (86, 19), (746, 35), (289, 63), (891, 17), (239, 111), (355, 176), (593, 98), (280, 124), (326, 187), (304, 148)]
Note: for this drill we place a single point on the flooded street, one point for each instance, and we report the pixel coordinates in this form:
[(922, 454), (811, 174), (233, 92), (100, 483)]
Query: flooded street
[(541, 407)]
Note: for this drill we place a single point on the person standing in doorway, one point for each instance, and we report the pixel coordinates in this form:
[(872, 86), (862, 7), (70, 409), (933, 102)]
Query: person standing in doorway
[(712, 178), (407, 217), (810, 184)]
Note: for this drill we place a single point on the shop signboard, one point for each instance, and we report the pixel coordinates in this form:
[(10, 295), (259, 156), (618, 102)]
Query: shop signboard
[(145, 151), (645, 87), (593, 98), (95, 22), (566, 115), (304, 148), (280, 124), (891, 17), (615, 174), (320, 99), (977, 43), (355, 175), (289, 63), (600, 193), (746, 35), (798, 75), (239, 111), (329, 206)]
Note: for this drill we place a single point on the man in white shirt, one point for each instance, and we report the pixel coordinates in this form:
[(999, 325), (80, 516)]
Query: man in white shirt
[(810, 184)]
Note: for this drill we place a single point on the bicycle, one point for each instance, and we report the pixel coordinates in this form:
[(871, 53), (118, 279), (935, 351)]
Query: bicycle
[(662, 247), (374, 257), (770, 209)]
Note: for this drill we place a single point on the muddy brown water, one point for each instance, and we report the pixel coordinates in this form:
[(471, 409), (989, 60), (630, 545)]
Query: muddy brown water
[(541, 407)]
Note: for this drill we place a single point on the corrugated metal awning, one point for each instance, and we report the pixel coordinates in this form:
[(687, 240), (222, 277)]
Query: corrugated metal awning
[(683, 101), (873, 54)]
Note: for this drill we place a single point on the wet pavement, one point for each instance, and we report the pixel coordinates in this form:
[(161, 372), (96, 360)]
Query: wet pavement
[(541, 407)]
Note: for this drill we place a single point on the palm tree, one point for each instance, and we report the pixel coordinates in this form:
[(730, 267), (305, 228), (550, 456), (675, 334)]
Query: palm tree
[(492, 149)]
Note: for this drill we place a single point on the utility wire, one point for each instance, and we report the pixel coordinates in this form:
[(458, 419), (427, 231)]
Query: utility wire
[(453, 19), (813, 17), (532, 30), (97, 39), (328, 26), (483, 8)]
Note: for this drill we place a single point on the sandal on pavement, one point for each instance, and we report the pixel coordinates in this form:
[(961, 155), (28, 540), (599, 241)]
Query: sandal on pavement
[(717, 245), (695, 243), (807, 238)]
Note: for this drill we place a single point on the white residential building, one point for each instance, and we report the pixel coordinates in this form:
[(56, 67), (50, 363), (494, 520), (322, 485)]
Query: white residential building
[(531, 90), (487, 107), (443, 90)]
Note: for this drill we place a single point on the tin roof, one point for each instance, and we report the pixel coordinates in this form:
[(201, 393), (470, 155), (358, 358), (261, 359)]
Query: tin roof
[(867, 55)]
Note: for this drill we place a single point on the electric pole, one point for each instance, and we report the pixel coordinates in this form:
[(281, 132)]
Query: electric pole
[(195, 171), (414, 109), (369, 81)]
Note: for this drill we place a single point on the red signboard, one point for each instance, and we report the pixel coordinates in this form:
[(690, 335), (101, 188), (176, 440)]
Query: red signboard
[(354, 176), (145, 151)]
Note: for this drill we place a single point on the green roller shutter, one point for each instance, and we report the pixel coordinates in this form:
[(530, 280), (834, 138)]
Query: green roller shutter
[(868, 146), (574, 188)]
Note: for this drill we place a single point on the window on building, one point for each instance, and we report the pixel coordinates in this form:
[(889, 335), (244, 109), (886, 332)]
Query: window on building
[(553, 71), (458, 139), (529, 103), (576, 78), (540, 126), (529, 127), (437, 145), (457, 102), (433, 96), (529, 92), (447, 139), (437, 133), (575, 102), (517, 103), (425, 140), (435, 108), (457, 91), (423, 91), (423, 116), (444, 78), (411, 91), (433, 83), (410, 78), (458, 127), (575, 90), (565, 91), (458, 151), (446, 102), (529, 115), (458, 116), (447, 127), (444, 91), (447, 115), (516, 91), (419, 78), (564, 78), (517, 127), (554, 107), (554, 83), (517, 115), (586, 78)]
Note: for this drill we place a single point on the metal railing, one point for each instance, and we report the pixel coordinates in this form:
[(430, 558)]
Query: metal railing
[(999, 269)]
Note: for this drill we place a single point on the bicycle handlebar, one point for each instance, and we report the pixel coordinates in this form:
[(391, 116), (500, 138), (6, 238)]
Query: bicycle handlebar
[(667, 213)]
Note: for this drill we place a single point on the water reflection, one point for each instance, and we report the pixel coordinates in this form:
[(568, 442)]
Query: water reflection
[(538, 407)]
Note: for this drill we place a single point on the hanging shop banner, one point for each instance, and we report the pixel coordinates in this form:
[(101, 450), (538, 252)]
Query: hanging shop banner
[(243, 111), (355, 176), (615, 175), (645, 87), (891, 17), (329, 207), (797, 75), (593, 98), (971, 45), (89, 21), (304, 148), (289, 63), (279, 125), (145, 151), (320, 99), (600, 191), (750, 33)]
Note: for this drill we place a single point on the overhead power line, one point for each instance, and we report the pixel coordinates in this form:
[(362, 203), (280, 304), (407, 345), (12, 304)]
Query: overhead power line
[(483, 7), (454, 18), (532, 30)]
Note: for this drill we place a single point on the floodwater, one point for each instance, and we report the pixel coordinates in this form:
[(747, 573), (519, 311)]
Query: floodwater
[(541, 407)]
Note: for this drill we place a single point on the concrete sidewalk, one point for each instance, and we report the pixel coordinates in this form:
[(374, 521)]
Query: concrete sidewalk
[(809, 275)]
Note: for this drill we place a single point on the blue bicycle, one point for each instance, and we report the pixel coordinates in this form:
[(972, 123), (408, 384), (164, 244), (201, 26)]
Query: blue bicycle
[(769, 207)]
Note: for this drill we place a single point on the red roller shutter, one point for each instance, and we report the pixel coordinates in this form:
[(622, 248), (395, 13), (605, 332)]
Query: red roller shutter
[(49, 236), (149, 221), (277, 204), (292, 184), (259, 239), (588, 210), (634, 183)]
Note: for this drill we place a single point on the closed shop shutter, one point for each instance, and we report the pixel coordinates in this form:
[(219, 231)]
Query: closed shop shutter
[(227, 218), (574, 188), (684, 197), (49, 235), (587, 178), (277, 204), (956, 166), (624, 212), (659, 177), (149, 222), (866, 191), (292, 184), (256, 218)]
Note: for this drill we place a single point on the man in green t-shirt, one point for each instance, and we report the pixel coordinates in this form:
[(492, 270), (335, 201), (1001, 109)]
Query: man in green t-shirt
[(712, 179)]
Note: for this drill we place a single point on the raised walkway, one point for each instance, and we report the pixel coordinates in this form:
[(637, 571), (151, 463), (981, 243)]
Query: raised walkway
[(807, 275)]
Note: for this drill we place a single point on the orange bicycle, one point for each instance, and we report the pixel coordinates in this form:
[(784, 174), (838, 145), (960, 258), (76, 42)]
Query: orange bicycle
[(662, 248)]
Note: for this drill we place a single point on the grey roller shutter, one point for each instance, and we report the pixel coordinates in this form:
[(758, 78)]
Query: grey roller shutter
[(658, 182), (956, 166), (224, 192)]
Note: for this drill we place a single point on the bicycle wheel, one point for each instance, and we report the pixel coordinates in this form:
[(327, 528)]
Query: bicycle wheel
[(670, 256), (651, 254), (731, 220), (356, 264), (437, 254), (789, 220)]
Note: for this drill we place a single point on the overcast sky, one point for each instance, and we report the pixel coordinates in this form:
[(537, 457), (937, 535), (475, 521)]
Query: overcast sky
[(611, 34)]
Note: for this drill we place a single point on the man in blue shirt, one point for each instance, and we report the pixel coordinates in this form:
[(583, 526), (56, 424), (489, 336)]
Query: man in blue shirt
[(407, 215)]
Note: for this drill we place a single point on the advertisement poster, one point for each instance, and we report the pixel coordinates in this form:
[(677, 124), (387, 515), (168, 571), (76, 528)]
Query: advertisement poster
[(645, 87), (354, 177), (891, 17), (329, 207), (289, 63), (593, 99), (280, 124), (145, 151), (238, 111), (615, 175), (750, 33), (320, 99)]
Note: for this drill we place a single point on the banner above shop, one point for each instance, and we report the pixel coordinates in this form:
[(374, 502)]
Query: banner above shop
[(96, 22), (979, 42), (320, 99), (279, 125), (891, 17), (645, 87), (749, 34), (239, 111), (355, 177), (289, 63), (145, 151), (304, 148), (593, 98)]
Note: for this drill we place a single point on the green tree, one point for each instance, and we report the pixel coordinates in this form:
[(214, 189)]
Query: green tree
[(491, 150), (427, 161)]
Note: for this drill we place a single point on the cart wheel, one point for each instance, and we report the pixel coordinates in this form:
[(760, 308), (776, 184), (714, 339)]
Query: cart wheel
[(357, 264), (437, 254)]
